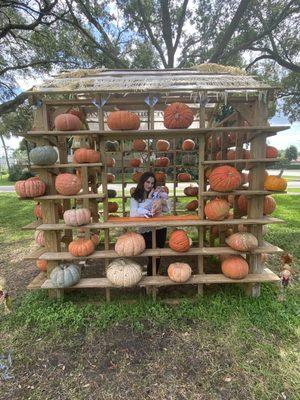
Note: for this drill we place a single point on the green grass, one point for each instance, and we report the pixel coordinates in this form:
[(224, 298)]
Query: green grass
[(293, 190), (4, 181)]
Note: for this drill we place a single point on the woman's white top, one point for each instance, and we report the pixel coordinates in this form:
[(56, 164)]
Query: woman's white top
[(142, 208)]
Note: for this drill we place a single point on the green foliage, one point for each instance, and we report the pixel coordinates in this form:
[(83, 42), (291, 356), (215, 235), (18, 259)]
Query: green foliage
[(17, 172), (291, 153)]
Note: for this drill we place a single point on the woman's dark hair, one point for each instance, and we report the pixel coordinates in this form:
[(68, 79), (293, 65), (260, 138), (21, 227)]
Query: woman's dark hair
[(138, 193)]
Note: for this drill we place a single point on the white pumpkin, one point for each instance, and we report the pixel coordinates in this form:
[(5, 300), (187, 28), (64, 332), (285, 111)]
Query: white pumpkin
[(77, 217), (124, 272), (64, 276)]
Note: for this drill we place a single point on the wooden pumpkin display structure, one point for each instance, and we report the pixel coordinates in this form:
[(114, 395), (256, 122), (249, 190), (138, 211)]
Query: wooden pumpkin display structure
[(225, 208)]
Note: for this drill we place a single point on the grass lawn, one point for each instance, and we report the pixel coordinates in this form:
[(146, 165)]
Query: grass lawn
[(4, 181), (221, 346)]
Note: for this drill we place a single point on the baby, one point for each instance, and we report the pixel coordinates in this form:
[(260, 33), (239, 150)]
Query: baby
[(160, 193)]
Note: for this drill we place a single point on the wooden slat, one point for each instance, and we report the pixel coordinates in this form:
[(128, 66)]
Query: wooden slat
[(252, 160), (68, 165), (35, 255), (38, 281), (98, 196), (32, 226), (245, 192)]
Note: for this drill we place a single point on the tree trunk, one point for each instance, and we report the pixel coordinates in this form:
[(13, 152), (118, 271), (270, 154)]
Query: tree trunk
[(5, 151)]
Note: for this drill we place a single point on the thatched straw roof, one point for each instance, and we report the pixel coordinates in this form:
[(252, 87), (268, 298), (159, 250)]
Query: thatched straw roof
[(204, 77)]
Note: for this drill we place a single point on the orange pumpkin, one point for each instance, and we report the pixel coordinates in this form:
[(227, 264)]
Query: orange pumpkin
[(179, 241), (275, 183), (242, 241), (271, 152), (82, 156), (123, 120), (67, 122), (130, 244), (179, 272), (162, 162), (162, 145), (110, 162), (67, 184), (269, 205), (232, 154), (188, 145), (38, 211), (136, 176), (32, 187), (224, 178), (217, 209), (81, 247), (112, 206), (178, 116), (160, 177), (135, 162), (110, 178), (235, 267), (139, 145), (184, 177), (42, 265), (191, 190), (192, 205)]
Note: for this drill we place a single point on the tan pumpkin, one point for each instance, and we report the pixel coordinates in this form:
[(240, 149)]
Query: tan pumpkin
[(110, 162), (191, 190), (217, 209), (160, 177), (77, 217), (130, 244), (112, 206), (184, 177), (224, 179), (139, 145), (271, 152), (179, 272), (110, 178), (162, 145), (124, 272), (178, 116), (81, 247), (83, 156), (32, 187), (136, 176), (67, 184), (275, 183), (188, 145), (242, 241), (192, 205), (135, 162), (235, 267), (179, 241), (123, 120), (67, 122), (162, 162), (42, 265)]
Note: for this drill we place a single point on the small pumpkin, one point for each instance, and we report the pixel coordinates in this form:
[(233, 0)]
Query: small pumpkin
[(112, 145), (189, 159), (82, 156), (32, 187), (188, 145), (67, 184), (235, 267), (139, 145), (160, 177), (162, 162), (77, 217), (42, 265), (269, 205), (179, 272), (217, 209), (191, 190), (192, 205), (242, 241), (43, 155), (232, 155), (124, 272), (81, 247), (67, 122), (136, 176), (178, 116), (39, 237), (130, 244), (275, 183), (135, 162), (271, 152), (38, 211), (112, 206), (123, 120), (162, 145), (64, 276), (110, 177), (184, 177), (224, 178), (179, 241), (110, 162), (111, 193)]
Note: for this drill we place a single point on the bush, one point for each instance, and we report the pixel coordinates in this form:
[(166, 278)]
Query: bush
[(17, 172)]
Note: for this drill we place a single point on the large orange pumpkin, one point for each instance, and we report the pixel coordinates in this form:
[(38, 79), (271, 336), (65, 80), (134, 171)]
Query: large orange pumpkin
[(162, 145), (271, 152), (184, 177), (136, 176), (162, 162), (217, 209), (224, 178), (135, 162), (32, 187), (191, 190), (67, 122), (235, 267), (179, 241), (81, 247), (275, 183), (123, 120), (82, 156), (188, 145), (67, 184), (192, 205), (178, 116), (139, 145)]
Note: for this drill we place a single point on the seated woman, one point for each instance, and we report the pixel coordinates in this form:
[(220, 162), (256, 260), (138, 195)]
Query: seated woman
[(149, 201)]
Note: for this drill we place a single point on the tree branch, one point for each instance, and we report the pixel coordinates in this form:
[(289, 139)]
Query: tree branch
[(180, 24), (167, 31), (11, 105)]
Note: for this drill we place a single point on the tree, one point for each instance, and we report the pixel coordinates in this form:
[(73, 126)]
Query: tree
[(291, 153)]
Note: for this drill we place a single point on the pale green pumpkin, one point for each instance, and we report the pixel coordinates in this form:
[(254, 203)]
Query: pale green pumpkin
[(43, 155), (64, 275)]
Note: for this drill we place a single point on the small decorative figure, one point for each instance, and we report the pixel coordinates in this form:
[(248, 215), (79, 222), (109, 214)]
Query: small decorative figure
[(286, 273)]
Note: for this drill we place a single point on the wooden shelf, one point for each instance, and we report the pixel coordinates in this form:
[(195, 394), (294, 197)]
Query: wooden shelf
[(98, 196), (32, 226), (41, 281), (35, 255), (172, 222), (246, 192), (69, 165), (245, 161)]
